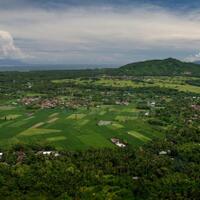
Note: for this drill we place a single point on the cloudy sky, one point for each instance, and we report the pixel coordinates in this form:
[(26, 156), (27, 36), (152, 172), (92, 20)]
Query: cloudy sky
[(99, 32)]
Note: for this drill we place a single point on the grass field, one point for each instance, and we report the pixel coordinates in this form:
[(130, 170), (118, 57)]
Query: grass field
[(69, 130)]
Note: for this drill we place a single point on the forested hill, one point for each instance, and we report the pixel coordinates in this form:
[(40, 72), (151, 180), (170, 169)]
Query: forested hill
[(170, 66)]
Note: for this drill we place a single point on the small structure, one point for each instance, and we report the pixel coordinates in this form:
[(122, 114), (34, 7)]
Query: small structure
[(135, 178), (1, 155), (104, 123), (146, 114), (163, 153), (117, 142), (151, 104)]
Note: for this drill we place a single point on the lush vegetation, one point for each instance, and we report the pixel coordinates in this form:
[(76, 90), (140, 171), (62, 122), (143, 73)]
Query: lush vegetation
[(146, 173), (96, 134)]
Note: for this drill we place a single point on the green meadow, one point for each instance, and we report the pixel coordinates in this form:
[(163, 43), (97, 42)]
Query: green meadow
[(77, 130)]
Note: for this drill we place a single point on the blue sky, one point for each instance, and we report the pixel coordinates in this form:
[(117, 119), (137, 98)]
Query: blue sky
[(99, 32)]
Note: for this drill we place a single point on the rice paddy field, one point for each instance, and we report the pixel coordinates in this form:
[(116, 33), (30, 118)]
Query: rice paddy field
[(77, 130), (81, 129)]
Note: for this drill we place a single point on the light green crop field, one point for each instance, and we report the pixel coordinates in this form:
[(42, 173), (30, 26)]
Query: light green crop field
[(78, 130), (178, 83)]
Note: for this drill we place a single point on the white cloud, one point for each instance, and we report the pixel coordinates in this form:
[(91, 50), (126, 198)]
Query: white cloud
[(193, 58), (101, 33), (7, 47)]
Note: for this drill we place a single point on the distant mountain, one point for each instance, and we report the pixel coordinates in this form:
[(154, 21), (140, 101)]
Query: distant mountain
[(10, 62), (166, 67), (20, 66)]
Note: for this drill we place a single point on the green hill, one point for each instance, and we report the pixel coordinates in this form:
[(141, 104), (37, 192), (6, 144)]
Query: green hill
[(166, 67)]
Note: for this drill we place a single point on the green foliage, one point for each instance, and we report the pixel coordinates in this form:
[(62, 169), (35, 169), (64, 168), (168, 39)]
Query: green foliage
[(161, 161)]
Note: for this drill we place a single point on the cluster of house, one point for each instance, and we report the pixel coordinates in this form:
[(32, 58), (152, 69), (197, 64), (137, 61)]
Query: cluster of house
[(50, 103), (43, 103), (29, 100), (54, 102), (48, 153), (21, 154), (115, 141), (164, 152)]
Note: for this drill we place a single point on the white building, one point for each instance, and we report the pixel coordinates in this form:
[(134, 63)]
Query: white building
[(121, 145), (135, 178), (162, 153), (146, 114), (118, 143)]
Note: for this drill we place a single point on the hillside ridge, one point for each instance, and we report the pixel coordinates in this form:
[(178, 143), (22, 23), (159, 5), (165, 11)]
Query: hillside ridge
[(169, 66)]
